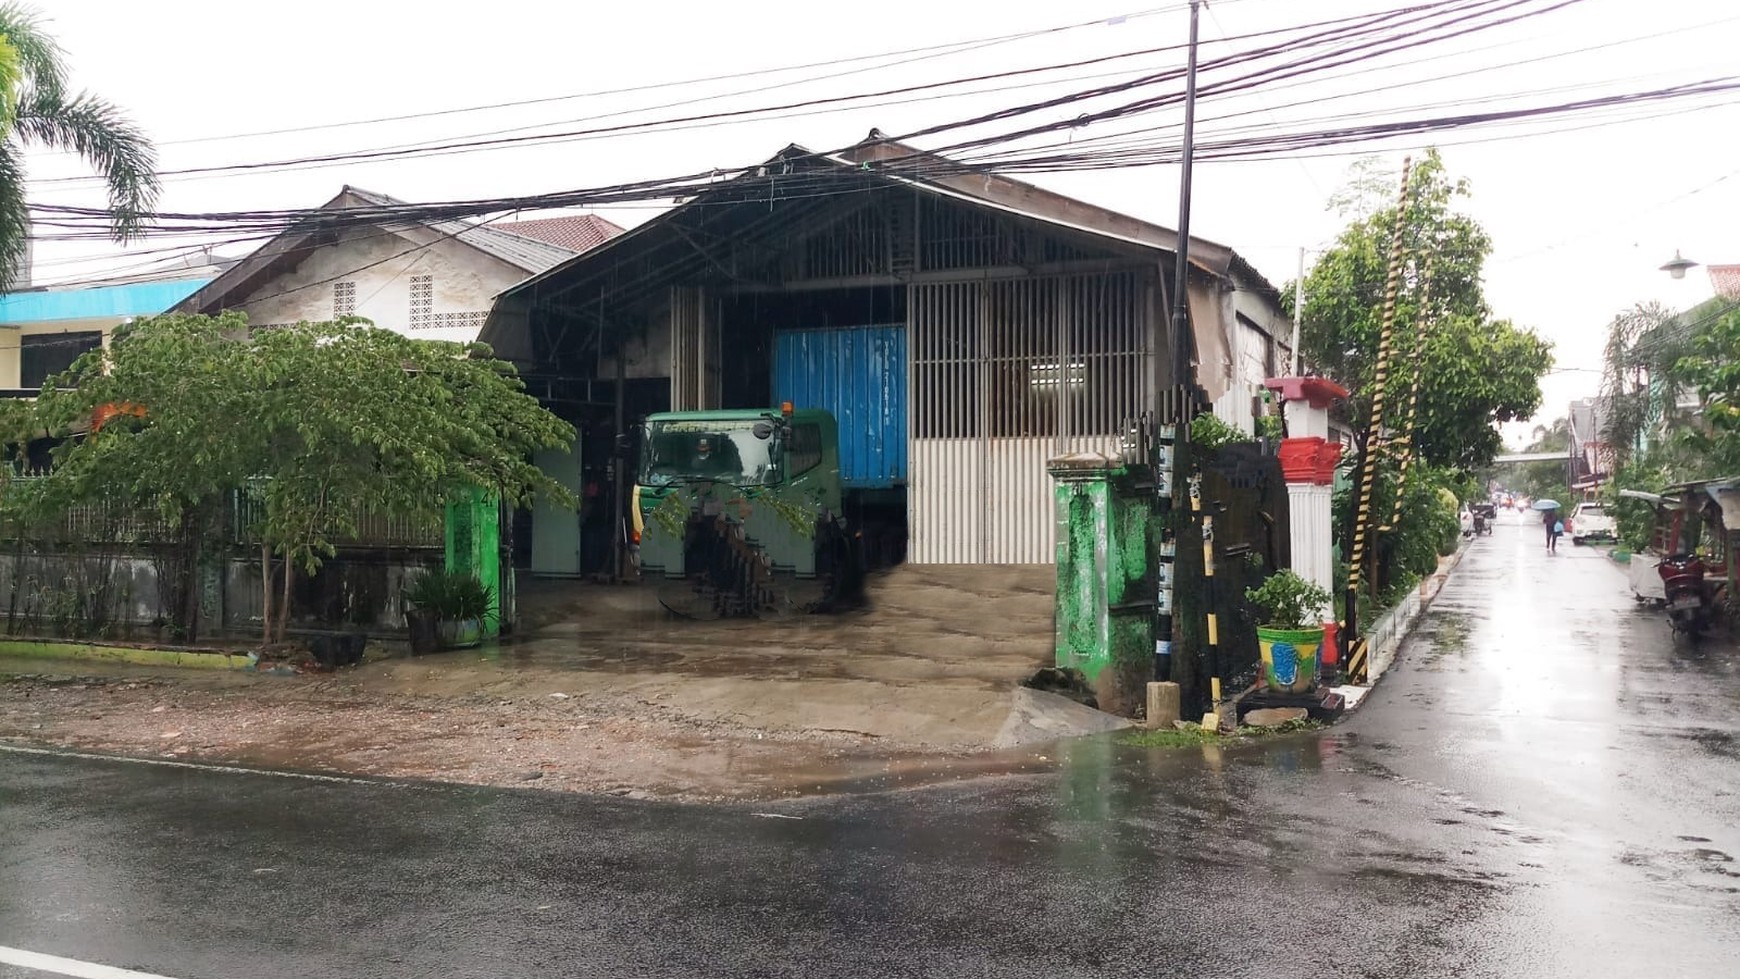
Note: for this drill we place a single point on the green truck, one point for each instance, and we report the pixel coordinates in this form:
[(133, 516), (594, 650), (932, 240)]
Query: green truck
[(740, 513)]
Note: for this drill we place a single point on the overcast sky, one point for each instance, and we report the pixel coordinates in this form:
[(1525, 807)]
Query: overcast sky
[(1582, 210)]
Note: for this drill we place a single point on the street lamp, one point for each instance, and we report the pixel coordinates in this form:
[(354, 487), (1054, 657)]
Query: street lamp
[(1677, 268)]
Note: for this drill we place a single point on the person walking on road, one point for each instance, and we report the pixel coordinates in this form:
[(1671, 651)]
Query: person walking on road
[(1550, 519)]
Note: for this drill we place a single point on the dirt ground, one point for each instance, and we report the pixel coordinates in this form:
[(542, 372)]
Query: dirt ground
[(601, 691)]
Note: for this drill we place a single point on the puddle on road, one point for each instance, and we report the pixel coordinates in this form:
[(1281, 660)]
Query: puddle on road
[(1093, 758)]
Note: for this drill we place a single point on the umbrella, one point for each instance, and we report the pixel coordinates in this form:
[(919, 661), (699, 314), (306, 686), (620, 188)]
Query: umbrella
[(1546, 504)]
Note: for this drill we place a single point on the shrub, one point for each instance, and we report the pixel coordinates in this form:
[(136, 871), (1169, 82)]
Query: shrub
[(454, 596), (1211, 433), (1288, 601)]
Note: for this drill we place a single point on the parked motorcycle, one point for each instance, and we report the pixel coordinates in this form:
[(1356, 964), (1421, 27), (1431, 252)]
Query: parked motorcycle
[(1485, 515), (1691, 599)]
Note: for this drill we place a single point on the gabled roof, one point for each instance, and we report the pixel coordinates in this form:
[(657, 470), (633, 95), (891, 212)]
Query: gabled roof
[(531, 254), (882, 160), (293, 245), (578, 232)]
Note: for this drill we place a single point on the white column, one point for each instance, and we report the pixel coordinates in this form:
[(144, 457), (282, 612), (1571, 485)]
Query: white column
[(1310, 521)]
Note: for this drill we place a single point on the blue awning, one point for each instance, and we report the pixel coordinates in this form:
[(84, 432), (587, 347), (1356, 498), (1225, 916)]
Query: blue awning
[(103, 302)]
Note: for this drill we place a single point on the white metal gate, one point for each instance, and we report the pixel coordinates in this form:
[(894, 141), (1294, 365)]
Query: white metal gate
[(1004, 376)]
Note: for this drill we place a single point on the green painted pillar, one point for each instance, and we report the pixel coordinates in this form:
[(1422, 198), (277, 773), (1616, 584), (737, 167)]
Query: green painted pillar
[(473, 528), (1105, 586)]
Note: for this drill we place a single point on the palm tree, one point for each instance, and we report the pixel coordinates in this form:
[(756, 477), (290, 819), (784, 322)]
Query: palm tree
[(44, 113)]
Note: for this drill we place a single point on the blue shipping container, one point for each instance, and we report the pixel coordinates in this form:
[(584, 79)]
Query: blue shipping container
[(859, 374)]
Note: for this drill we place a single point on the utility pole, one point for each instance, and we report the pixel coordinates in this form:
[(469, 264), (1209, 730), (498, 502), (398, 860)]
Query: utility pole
[(1181, 375), (1180, 399)]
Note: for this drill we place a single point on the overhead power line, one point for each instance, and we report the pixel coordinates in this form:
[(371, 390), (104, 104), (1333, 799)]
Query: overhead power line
[(933, 50), (1339, 28)]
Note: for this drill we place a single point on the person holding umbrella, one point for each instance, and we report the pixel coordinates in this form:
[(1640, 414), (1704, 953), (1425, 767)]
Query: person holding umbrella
[(1550, 519)]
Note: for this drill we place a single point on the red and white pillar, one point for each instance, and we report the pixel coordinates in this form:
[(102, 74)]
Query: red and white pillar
[(1308, 460)]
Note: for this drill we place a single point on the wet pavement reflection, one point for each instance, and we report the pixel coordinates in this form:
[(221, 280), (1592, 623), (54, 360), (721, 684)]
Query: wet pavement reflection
[(1546, 784)]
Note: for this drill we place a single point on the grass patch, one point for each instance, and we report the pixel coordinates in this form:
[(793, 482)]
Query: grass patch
[(1175, 738), (1191, 737)]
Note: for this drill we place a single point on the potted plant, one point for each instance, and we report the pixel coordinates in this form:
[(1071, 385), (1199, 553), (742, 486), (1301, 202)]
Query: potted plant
[(446, 609), (1290, 634)]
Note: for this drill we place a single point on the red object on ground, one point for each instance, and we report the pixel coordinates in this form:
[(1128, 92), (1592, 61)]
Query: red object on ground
[(1330, 654)]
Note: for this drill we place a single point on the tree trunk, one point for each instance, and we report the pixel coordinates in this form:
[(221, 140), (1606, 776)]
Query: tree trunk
[(266, 592), (284, 606), (193, 539)]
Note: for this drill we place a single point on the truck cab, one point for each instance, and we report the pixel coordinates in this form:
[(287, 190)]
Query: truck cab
[(738, 512)]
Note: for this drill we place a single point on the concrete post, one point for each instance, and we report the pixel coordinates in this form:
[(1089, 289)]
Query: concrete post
[(1163, 705), (1308, 461), (1105, 587)]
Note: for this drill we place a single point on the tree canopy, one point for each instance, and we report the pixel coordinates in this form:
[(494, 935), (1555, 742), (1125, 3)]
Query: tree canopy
[(1475, 370), (321, 422), (43, 112)]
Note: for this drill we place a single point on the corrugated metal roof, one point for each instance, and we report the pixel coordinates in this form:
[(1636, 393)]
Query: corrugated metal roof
[(530, 254), (103, 302), (980, 189)]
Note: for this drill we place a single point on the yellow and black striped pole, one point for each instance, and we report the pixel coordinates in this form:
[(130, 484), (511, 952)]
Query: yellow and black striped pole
[(1405, 438), (1372, 445), (1207, 522)]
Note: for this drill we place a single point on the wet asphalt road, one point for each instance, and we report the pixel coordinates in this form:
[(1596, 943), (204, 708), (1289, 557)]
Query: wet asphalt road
[(1545, 785)]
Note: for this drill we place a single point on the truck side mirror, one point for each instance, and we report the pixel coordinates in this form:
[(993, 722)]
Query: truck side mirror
[(763, 430)]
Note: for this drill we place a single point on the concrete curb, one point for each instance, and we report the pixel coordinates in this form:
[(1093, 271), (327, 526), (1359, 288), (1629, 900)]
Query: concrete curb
[(1392, 628), (127, 654)]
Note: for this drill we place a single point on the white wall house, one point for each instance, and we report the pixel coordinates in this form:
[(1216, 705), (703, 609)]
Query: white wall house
[(434, 280), (1242, 340)]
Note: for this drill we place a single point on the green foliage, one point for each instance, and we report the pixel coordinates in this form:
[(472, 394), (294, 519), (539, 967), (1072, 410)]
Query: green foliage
[(1635, 519), (1211, 433), (1190, 737), (323, 421), (11, 74), (1288, 601), (1713, 367), (1548, 479), (1653, 355), (454, 596), (1426, 528), (42, 113), (1475, 370), (1644, 347), (1271, 427)]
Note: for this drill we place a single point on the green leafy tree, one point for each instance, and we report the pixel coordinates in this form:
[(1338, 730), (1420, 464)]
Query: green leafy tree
[(1653, 357), (1644, 347), (321, 422), (1475, 370), (1713, 368), (44, 113), (1546, 479)]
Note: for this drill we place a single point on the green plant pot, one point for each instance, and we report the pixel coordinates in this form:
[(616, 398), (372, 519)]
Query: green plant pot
[(1290, 658), (459, 633)]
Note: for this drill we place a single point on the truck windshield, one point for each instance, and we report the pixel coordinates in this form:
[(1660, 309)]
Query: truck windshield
[(715, 449)]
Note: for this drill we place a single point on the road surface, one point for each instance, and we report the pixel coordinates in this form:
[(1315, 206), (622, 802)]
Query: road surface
[(1545, 785)]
